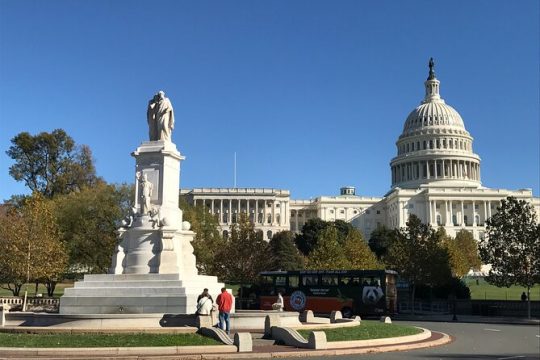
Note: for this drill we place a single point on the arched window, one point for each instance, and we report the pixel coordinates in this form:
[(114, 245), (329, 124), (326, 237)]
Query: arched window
[(234, 218), (424, 144), (465, 220), (269, 219), (260, 218), (431, 144), (477, 219), (439, 220), (269, 234), (278, 218)]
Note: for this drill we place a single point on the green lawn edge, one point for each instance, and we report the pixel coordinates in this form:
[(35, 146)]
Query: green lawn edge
[(25, 340), (367, 330)]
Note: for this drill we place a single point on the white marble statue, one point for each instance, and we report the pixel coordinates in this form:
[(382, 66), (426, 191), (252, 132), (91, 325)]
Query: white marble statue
[(146, 194), (160, 117)]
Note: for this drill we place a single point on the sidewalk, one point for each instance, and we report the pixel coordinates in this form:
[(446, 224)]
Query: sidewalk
[(467, 319)]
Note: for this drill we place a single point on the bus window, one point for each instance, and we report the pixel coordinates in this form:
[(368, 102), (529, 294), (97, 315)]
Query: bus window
[(281, 280), (308, 280), (293, 281), (345, 280), (266, 280), (329, 280)]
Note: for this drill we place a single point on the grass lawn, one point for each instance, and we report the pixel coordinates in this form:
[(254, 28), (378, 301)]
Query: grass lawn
[(485, 291), (102, 340), (59, 291), (368, 329)]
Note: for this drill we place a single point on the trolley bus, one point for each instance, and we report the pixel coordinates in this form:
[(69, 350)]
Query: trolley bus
[(362, 292)]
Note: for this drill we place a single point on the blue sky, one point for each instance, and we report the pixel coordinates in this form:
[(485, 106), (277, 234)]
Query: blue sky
[(311, 95)]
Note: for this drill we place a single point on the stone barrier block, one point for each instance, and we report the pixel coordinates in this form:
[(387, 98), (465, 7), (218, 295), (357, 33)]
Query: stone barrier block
[(269, 321), (386, 319), (307, 316), (243, 342), (204, 321), (335, 315), (4, 308), (317, 340)]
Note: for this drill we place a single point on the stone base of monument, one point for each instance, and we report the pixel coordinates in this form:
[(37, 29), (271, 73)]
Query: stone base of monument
[(137, 294)]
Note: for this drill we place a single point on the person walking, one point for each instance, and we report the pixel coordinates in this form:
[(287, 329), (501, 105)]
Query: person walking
[(224, 302)]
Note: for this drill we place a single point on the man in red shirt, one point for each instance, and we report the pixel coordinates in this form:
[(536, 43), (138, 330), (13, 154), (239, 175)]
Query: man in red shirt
[(224, 302)]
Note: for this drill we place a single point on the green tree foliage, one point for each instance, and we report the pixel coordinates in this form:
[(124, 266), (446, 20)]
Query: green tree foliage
[(245, 254), (307, 240), (328, 254), (358, 253), (285, 254), (31, 249), (512, 245), (462, 251), (87, 220), (208, 242), (418, 256), (51, 163), (380, 240)]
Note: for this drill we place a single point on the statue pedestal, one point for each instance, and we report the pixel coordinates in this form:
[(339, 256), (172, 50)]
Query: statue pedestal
[(153, 268)]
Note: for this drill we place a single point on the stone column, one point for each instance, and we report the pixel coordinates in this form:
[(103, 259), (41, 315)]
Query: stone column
[(451, 213), (485, 211), (474, 212), (446, 213), (435, 172), (427, 169), (221, 210), (296, 221), (229, 216), (264, 212), (443, 169), (462, 214)]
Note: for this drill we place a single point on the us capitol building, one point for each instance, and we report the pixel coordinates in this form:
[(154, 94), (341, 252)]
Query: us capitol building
[(435, 175)]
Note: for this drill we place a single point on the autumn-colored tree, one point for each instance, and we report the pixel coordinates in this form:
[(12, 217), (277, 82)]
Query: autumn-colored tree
[(208, 242), (358, 253), (462, 251), (418, 256), (31, 249), (328, 254), (245, 253), (512, 246)]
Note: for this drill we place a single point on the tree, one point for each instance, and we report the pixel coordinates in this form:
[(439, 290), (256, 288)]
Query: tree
[(358, 253), (87, 222), (245, 254), (328, 254), (418, 257), (51, 163), (307, 240), (208, 242), (380, 240), (512, 246), (31, 249), (285, 254), (462, 251)]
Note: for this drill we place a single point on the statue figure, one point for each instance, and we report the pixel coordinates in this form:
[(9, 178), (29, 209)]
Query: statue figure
[(431, 69), (160, 117), (146, 194)]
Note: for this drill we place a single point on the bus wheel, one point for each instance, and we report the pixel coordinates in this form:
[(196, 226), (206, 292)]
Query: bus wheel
[(346, 312)]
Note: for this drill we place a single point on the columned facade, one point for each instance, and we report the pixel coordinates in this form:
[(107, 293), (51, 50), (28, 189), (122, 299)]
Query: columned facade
[(267, 209)]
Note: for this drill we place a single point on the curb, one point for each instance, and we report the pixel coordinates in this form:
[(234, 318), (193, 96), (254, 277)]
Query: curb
[(217, 351)]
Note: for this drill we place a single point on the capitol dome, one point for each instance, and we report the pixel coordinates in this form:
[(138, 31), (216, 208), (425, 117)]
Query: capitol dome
[(434, 147)]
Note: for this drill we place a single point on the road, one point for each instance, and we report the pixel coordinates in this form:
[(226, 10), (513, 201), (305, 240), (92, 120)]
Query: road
[(471, 341)]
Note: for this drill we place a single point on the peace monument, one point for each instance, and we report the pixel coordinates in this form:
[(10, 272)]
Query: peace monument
[(153, 267)]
